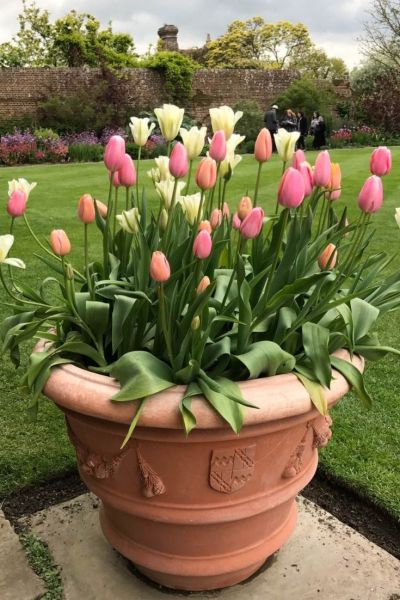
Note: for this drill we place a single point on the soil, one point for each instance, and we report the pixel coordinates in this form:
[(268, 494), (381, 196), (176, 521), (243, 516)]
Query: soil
[(373, 522)]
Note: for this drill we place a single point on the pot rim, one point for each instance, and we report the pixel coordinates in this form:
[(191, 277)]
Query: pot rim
[(278, 397)]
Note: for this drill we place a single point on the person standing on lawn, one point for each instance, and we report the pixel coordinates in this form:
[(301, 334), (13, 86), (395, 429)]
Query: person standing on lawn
[(271, 123), (289, 121), (319, 129), (303, 128)]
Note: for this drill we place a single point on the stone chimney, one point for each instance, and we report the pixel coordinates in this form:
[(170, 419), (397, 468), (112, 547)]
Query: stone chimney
[(169, 36)]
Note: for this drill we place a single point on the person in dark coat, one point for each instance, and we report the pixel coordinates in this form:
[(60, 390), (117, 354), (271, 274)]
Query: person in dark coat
[(303, 128), (289, 121), (319, 132), (271, 123)]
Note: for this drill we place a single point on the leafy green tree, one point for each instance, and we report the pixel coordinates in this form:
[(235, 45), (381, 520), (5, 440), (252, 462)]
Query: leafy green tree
[(178, 70), (74, 40), (316, 64), (306, 96)]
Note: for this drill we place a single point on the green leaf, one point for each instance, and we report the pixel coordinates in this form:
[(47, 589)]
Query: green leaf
[(264, 358), (97, 316), (188, 418), (354, 378), (364, 318), (141, 374), (134, 422), (122, 308), (316, 392), (228, 409), (316, 349)]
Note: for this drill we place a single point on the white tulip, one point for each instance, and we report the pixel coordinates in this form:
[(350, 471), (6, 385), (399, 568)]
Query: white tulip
[(223, 118), (285, 143), (161, 172), (21, 185), (397, 216), (129, 220), (170, 119), (6, 241), (193, 140), (190, 206), (228, 165), (141, 130), (165, 190)]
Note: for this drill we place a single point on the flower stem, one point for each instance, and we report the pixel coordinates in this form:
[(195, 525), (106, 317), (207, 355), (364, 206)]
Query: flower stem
[(106, 233), (260, 164), (189, 176), (276, 257), (86, 248), (137, 174), (164, 321)]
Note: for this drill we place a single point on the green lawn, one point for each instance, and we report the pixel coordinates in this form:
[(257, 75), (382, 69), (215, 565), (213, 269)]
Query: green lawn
[(365, 447)]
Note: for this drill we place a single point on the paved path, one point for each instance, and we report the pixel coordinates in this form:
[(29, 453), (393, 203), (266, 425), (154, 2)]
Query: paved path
[(324, 560)]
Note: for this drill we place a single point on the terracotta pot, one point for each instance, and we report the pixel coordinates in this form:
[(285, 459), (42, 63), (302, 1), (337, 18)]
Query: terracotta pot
[(201, 512)]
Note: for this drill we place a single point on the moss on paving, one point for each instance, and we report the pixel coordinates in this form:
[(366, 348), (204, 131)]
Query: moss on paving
[(42, 563), (365, 447)]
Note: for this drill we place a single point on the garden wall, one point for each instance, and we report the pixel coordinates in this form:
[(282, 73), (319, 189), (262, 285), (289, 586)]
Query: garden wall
[(22, 89)]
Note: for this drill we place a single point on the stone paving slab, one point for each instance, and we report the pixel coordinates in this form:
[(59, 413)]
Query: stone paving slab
[(17, 580), (323, 560)]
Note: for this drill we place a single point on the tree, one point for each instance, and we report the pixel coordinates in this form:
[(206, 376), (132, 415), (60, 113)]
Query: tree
[(316, 64), (304, 95), (74, 40), (283, 43), (239, 47), (382, 33)]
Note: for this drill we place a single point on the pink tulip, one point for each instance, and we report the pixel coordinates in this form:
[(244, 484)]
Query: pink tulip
[(298, 158), (381, 161), (292, 189), (370, 198), (252, 224), (263, 146), (178, 161), (159, 267), (86, 210), (206, 225), (203, 285), (218, 146), (245, 206), (59, 242), (102, 208), (114, 153), (225, 210), (322, 170), (127, 172), (202, 245), (206, 173), (308, 178), (236, 222), (16, 204), (328, 258), (216, 218), (114, 177)]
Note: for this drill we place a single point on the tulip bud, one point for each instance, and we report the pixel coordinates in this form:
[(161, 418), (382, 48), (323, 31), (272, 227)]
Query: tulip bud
[(218, 146), (114, 178), (335, 182), (205, 226), (178, 161), (322, 170), (216, 218), (298, 158), (370, 198), (263, 146), (102, 208), (69, 272), (86, 211), (252, 224), (59, 242), (159, 267), (381, 161), (225, 210), (203, 285), (127, 172), (328, 258), (245, 206), (163, 220), (16, 204), (129, 220), (236, 222), (195, 324), (202, 245), (308, 178), (114, 153), (206, 173), (292, 189)]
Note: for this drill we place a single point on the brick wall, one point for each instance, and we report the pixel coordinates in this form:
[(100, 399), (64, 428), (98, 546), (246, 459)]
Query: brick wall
[(22, 89)]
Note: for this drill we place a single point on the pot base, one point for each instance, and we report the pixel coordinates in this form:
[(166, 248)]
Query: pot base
[(199, 574)]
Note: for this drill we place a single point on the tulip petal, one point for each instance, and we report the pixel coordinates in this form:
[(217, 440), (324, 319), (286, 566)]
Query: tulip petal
[(14, 262)]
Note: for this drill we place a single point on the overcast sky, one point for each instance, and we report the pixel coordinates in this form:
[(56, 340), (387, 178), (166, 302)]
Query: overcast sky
[(333, 25)]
